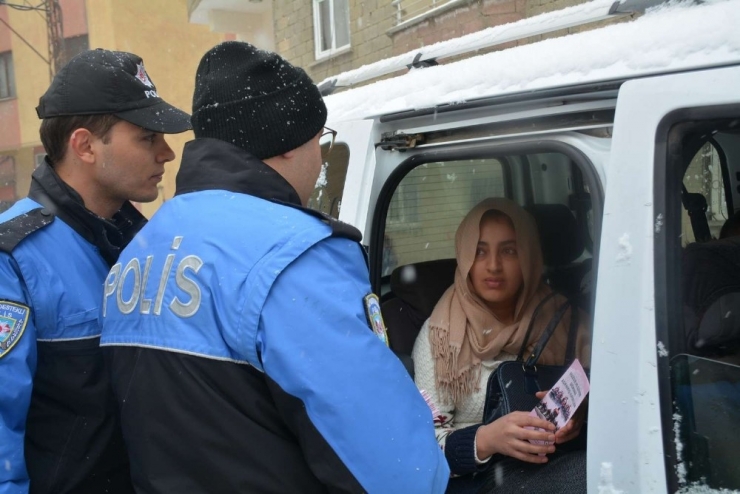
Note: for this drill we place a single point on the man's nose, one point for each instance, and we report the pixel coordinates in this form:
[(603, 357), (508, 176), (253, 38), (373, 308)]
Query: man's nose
[(165, 153)]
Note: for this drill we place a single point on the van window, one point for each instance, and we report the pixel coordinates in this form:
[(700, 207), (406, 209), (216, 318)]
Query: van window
[(704, 176), (327, 196), (428, 205), (555, 179), (699, 325), (430, 201)]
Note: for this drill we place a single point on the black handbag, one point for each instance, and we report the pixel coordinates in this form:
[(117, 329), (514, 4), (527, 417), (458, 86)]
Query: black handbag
[(512, 386)]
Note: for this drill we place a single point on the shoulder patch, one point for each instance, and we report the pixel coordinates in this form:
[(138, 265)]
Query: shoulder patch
[(13, 321), (12, 232), (375, 317)]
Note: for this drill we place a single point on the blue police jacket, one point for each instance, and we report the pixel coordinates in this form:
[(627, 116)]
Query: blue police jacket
[(239, 335), (58, 425)]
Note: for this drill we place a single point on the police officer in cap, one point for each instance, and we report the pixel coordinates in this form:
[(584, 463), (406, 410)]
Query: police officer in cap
[(102, 128), (238, 321)]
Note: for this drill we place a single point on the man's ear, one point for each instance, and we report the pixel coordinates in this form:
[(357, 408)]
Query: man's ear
[(80, 145)]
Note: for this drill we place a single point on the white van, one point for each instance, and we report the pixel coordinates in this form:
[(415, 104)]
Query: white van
[(624, 143)]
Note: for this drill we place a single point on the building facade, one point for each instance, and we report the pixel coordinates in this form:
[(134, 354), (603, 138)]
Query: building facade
[(157, 30), (327, 37)]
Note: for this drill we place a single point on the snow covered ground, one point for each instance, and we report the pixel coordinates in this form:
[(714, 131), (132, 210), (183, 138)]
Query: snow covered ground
[(675, 36)]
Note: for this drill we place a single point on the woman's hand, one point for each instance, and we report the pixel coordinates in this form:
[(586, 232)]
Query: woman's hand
[(572, 429), (509, 437)]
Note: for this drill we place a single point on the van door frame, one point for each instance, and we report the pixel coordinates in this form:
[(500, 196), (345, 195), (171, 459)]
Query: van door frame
[(477, 151)]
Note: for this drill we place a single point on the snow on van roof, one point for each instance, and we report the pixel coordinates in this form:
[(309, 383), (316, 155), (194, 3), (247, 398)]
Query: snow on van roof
[(674, 36)]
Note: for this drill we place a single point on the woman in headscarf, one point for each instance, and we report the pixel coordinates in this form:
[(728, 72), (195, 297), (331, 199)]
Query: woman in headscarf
[(481, 321)]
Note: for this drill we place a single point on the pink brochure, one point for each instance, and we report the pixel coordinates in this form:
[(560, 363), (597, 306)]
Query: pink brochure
[(564, 398)]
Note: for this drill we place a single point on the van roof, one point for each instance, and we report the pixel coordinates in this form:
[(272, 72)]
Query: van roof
[(672, 37)]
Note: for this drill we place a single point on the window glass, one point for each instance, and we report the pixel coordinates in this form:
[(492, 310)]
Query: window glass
[(706, 393), (704, 176), (324, 27), (428, 205), (430, 201), (702, 320), (341, 22), (331, 26), (327, 196), (552, 181)]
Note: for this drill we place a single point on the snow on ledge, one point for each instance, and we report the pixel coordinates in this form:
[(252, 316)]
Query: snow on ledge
[(676, 36)]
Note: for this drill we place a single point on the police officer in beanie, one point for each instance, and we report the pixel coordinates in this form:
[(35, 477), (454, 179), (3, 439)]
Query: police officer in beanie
[(102, 128), (242, 356)]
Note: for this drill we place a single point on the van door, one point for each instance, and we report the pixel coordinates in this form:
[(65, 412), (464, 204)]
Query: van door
[(344, 186), (643, 369)]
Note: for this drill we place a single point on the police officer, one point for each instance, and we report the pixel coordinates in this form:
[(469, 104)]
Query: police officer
[(102, 128), (242, 354)]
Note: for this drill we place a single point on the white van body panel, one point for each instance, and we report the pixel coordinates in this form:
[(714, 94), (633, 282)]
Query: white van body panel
[(357, 135), (624, 412)]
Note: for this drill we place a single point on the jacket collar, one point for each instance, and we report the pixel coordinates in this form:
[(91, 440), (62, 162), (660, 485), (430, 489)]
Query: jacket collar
[(109, 236), (212, 164)]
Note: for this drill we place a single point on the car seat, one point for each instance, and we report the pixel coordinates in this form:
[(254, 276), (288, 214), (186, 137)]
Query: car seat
[(417, 288), (711, 297)]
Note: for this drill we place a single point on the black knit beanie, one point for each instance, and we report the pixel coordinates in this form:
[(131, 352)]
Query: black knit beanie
[(256, 100)]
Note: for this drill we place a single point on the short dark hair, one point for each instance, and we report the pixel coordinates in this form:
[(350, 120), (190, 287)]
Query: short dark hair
[(55, 131)]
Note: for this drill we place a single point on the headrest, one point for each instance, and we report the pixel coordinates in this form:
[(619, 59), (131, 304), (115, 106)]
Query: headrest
[(422, 284), (561, 241), (694, 202)]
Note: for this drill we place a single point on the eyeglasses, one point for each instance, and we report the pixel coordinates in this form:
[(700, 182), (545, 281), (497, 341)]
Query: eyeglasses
[(328, 132)]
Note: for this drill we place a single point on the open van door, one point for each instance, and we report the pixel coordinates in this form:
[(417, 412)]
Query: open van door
[(344, 187), (638, 426)]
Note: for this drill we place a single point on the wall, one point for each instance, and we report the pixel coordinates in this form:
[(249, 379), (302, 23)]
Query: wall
[(158, 31), (371, 23), (369, 20)]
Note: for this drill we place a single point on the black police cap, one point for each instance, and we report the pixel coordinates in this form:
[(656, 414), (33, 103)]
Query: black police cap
[(98, 82)]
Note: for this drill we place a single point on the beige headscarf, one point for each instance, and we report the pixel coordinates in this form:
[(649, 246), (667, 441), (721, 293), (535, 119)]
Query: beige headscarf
[(464, 332)]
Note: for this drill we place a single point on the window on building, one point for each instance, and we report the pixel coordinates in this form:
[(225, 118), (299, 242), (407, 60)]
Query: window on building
[(704, 177), (7, 76), (331, 26), (74, 46)]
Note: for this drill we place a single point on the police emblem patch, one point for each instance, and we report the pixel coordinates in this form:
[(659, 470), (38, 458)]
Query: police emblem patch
[(142, 75), (13, 320), (374, 317)]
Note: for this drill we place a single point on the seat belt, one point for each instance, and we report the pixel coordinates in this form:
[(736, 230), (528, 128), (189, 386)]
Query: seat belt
[(696, 205)]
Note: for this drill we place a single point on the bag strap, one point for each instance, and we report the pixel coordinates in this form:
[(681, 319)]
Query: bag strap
[(520, 356), (570, 353), (549, 330)]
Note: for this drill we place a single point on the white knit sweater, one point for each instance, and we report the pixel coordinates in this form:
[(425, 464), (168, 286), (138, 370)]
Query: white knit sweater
[(470, 411)]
